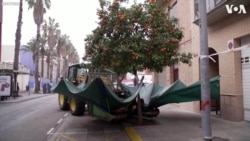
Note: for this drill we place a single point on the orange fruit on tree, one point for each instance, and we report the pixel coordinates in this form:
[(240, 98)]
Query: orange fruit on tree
[(131, 28), (122, 16), (151, 31), (152, 1), (163, 49), (105, 49)]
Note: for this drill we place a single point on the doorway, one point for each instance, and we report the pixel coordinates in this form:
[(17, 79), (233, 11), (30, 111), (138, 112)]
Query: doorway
[(214, 71)]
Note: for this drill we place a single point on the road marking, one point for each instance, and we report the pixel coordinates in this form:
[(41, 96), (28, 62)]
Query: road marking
[(132, 134), (66, 114), (49, 132), (66, 137), (59, 121)]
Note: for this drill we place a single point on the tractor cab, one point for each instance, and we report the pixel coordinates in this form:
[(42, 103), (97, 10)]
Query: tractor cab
[(77, 73)]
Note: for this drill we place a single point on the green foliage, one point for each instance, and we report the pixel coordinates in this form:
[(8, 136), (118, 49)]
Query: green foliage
[(31, 46), (139, 37)]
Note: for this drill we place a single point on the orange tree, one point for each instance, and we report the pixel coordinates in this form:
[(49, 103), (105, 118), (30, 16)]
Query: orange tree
[(129, 39)]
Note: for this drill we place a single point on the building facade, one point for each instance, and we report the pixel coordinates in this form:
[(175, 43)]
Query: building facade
[(26, 60), (225, 30), (229, 37)]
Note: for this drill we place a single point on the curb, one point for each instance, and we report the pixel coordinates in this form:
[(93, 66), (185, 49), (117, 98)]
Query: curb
[(21, 100)]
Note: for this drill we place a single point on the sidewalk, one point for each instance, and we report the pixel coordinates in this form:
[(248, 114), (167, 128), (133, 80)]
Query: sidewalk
[(23, 96), (174, 124)]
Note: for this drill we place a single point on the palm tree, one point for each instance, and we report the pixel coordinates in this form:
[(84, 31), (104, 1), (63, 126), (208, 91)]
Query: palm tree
[(60, 43), (53, 57), (43, 43), (18, 42), (30, 47), (39, 8), (64, 52), (73, 56), (70, 54), (52, 40)]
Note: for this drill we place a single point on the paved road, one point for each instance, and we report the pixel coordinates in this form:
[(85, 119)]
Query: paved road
[(40, 119), (28, 120), (87, 128)]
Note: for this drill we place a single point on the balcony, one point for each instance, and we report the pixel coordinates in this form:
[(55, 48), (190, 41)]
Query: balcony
[(218, 11)]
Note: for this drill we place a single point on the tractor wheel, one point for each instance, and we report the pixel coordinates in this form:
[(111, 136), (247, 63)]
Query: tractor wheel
[(77, 107), (63, 102)]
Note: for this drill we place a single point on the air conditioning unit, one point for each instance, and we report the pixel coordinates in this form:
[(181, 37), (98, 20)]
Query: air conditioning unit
[(230, 44)]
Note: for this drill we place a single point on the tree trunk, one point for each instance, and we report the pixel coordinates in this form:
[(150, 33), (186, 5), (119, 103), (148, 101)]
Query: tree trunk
[(17, 44), (48, 64), (64, 66), (51, 68), (37, 81), (58, 68), (42, 65), (119, 82), (139, 111)]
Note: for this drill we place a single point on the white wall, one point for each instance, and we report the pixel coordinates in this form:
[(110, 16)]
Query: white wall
[(8, 53)]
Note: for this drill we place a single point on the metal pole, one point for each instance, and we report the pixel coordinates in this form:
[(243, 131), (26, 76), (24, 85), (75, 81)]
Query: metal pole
[(139, 110), (204, 74), (1, 21)]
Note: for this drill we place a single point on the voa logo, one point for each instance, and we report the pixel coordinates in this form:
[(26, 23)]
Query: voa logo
[(239, 9)]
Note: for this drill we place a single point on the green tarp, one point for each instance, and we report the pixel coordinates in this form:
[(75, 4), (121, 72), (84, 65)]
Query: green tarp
[(153, 95), (187, 94), (156, 96), (96, 92)]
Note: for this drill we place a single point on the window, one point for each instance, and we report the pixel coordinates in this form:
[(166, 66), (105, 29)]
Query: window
[(247, 59), (196, 10), (176, 71), (211, 4), (173, 13), (173, 10), (217, 2)]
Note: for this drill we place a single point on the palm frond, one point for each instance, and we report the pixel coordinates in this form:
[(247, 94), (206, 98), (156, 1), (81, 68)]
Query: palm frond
[(31, 46), (47, 3), (31, 3)]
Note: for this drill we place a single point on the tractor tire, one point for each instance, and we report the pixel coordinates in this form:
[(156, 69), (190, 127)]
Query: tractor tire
[(77, 107), (63, 102)]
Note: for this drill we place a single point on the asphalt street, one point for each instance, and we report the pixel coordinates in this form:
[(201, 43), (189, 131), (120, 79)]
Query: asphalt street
[(172, 124)]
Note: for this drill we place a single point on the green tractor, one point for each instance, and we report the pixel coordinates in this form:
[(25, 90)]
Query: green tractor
[(75, 74), (81, 76)]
